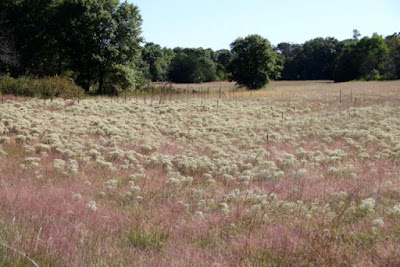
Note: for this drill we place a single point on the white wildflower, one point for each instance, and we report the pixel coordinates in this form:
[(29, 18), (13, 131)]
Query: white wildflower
[(173, 181), (367, 205), (378, 222), (59, 164), (76, 197), (200, 214), (224, 208), (111, 184), (91, 205), (395, 210)]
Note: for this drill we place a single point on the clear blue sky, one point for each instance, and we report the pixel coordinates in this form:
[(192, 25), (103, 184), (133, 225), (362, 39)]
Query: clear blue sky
[(216, 23)]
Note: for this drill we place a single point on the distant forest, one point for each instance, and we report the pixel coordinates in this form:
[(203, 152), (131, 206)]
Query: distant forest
[(369, 58), (98, 44)]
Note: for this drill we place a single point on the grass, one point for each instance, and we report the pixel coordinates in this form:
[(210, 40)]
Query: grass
[(154, 239), (298, 173)]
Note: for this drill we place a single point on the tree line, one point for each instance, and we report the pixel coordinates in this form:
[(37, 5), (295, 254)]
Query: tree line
[(98, 44), (369, 58)]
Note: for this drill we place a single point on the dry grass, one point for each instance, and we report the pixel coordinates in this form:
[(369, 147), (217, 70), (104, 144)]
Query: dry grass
[(299, 173)]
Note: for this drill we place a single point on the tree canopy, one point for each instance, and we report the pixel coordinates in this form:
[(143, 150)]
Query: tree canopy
[(86, 39), (364, 59), (254, 62)]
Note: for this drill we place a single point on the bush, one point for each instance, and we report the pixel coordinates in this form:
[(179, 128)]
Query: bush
[(12, 86), (121, 79), (48, 87)]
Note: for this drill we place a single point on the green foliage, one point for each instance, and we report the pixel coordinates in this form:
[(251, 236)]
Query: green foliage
[(363, 59), (121, 79), (86, 38), (314, 60), (318, 58), (20, 86), (192, 66), (105, 34), (49, 87), (289, 55), (392, 62), (158, 61), (346, 68), (265, 258), (154, 239), (254, 62)]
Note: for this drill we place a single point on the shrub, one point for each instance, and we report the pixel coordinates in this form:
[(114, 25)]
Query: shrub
[(51, 87), (12, 86), (48, 87)]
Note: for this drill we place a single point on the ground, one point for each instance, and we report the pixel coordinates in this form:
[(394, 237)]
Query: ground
[(299, 173)]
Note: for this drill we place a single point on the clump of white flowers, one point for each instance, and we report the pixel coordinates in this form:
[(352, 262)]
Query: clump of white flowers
[(367, 206), (224, 208), (59, 165), (76, 196), (30, 163), (134, 188), (91, 205), (20, 139), (378, 222), (173, 181), (4, 139), (137, 176), (111, 184), (395, 210), (200, 214), (73, 167)]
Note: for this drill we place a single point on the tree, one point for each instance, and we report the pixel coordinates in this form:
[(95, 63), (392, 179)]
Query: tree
[(254, 62), (392, 61), (192, 65), (346, 68), (356, 34), (318, 57), (32, 22), (373, 52), (9, 57), (223, 59), (363, 59), (105, 34), (158, 61), (85, 38), (290, 60)]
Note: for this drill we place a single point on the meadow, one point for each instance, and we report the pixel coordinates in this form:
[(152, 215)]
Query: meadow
[(299, 173)]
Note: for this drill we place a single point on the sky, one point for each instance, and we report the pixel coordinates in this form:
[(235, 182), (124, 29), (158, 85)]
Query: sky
[(217, 23)]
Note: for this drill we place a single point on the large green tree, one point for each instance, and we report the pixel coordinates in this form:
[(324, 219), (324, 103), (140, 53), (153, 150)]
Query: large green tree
[(93, 41), (254, 62), (104, 36)]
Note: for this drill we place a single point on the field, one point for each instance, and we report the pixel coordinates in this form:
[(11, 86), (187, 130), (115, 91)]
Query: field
[(299, 173)]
